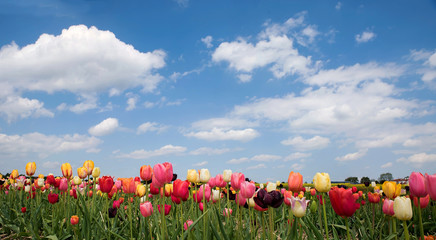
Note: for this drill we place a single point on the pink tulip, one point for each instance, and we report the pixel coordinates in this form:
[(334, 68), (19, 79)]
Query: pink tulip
[(423, 201), (207, 192), (163, 172), (200, 206), (430, 185), (117, 204), (417, 185), (388, 207), (237, 179), (219, 181), (241, 200), (227, 212), (187, 224), (147, 209), (247, 189), (118, 184), (63, 186)]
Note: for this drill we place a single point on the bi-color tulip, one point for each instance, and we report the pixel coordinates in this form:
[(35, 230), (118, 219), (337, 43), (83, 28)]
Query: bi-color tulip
[(89, 165), (30, 168), (299, 206), (82, 172), (67, 171)]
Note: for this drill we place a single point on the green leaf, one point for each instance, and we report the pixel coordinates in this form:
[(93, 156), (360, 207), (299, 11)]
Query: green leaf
[(52, 237), (193, 224), (220, 222), (315, 230)]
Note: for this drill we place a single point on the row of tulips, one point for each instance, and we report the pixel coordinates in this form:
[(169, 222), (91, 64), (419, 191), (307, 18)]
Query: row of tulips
[(157, 205)]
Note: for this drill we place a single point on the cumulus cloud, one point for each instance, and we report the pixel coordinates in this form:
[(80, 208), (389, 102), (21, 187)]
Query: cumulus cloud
[(105, 127), (301, 144), (296, 156), (387, 165), (15, 107), (223, 123), (419, 159), (258, 166), (200, 164), (352, 156), (256, 158), (151, 127), (211, 151), (51, 165), (238, 160), (30, 144), (207, 41), (365, 36), (297, 166), (163, 151), (218, 134)]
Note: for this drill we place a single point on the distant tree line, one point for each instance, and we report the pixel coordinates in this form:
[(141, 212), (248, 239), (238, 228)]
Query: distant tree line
[(383, 177)]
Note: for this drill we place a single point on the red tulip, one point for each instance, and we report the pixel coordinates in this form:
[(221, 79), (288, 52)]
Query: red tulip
[(146, 172), (167, 208), (295, 181), (219, 181), (417, 184), (106, 184), (247, 189), (51, 180), (163, 172), (181, 189), (147, 209), (112, 192), (423, 201), (116, 204), (373, 197), (354, 189), (200, 206), (175, 199), (388, 207), (53, 198), (237, 179), (154, 190), (73, 193), (23, 209), (430, 185), (343, 201), (287, 195), (313, 191)]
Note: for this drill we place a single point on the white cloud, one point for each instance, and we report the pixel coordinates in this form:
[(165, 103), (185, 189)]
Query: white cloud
[(200, 164), (105, 127), (211, 151), (301, 144), (131, 102), (238, 160), (297, 155), (182, 3), (244, 78), (265, 158), (151, 127), (30, 144), (365, 36), (258, 166), (338, 6), (88, 103), (163, 151), (15, 107), (51, 165), (207, 41), (352, 156), (222, 123), (217, 134), (297, 166), (386, 165), (163, 101), (419, 159)]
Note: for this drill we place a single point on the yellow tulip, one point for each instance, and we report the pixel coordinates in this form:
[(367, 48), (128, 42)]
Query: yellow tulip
[(41, 176), (140, 190), (67, 171), (14, 174), (89, 165), (96, 172), (193, 176), (403, 208), (77, 180), (30, 168), (168, 189), (322, 182), (82, 173), (391, 189)]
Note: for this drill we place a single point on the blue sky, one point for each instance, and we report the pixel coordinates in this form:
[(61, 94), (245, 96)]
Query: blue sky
[(261, 87)]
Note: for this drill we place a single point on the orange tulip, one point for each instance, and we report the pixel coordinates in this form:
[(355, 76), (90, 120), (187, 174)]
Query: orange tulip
[(14, 174), (146, 172), (67, 171), (295, 182), (391, 189), (30, 168), (89, 165), (82, 173), (129, 185)]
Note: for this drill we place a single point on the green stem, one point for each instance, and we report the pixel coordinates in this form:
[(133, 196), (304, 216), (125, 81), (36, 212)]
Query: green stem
[(263, 224), (348, 228), (300, 228), (271, 222), (290, 219), (421, 227), (204, 210), (394, 226), (406, 230), (130, 217), (325, 216)]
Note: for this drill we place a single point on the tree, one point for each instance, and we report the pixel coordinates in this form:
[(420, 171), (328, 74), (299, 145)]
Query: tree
[(385, 177), (365, 179), (352, 179)]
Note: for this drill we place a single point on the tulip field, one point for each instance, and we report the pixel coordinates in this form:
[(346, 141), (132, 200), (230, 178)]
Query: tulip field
[(158, 205)]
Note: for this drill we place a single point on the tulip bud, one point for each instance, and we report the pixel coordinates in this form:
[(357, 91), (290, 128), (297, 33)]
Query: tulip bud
[(187, 224), (313, 207), (251, 202), (193, 176), (373, 184), (403, 208), (27, 188), (227, 175), (204, 175), (140, 190), (40, 182), (271, 187), (96, 172), (30, 168), (216, 195), (322, 182), (77, 180)]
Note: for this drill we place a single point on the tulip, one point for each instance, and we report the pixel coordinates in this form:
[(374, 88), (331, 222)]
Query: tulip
[(146, 209), (116, 204), (212, 182), (430, 185), (112, 212), (403, 208), (40, 182), (207, 192), (181, 189), (30, 168), (287, 197), (76, 180), (193, 176), (14, 174), (74, 220), (219, 181), (106, 184), (96, 172), (373, 197), (227, 175), (175, 199), (167, 209), (313, 207), (354, 189), (27, 188), (67, 171), (20, 181), (129, 186), (168, 189), (236, 180), (63, 186), (227, 212), (388, 207), (163, 172), (140, 190), (188, 223), (295, 181), (250, 202), (154, 190), (53, 198), (23, 209), (201, 206), (216, 195), (264, 199), (89, 166), (373, 184), (423, 201), (391, 189), (82, 172), (271, 187), (343, 202), (322, 182), (417, 184), (247, 189), (240, 200), (146, 172), (298, 206), (204, 175), (313, 191)]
